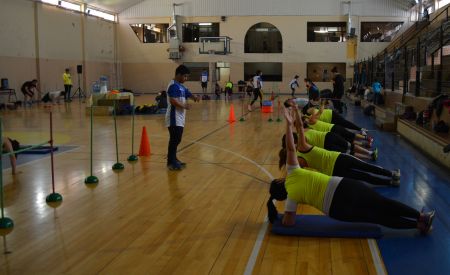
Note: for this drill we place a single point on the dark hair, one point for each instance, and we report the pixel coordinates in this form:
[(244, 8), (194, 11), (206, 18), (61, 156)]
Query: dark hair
[(283, 154), (296, 76), (307, 80), (286, 103), (277, 191), (182, 70), (334, 70), (258, 72)]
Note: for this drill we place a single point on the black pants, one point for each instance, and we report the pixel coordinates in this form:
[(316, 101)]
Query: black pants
[(347, 135), (337, 104), (350, 167), (257, 93), (67, 89), (175, 133), (334, 142), (354, 201), (293, 91), (339, 120)]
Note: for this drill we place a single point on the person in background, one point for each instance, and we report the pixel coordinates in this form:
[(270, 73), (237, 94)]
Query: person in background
[(257, 86), (217, 90), (338, 89), (204, 81), (67, 78), (176, 114), (228, 89), (377, 96), (312, 90), (293, 84), (52, 97), (29, 88)]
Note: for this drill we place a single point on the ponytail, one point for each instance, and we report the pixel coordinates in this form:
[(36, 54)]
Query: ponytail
[(282, 158), (278, 192)]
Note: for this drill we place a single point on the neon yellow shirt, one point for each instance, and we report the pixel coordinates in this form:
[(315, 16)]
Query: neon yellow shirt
[(307, 187), (316, 138), (321, 126), (67, 79), (229, 85), (320, 159), (326, 116)]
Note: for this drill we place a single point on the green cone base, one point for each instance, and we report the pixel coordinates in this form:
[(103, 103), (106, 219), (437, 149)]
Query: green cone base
[(270, 120), (242, 119), (278, 119), (118, 166), (133, 158), (54, 197), (91, 180), (6, 223)]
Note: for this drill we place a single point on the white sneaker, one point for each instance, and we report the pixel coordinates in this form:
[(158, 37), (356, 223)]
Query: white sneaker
[(364, 131), (396, 174)]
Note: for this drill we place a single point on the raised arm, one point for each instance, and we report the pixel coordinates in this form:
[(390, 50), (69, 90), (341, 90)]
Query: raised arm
[(12, 158), (302, 143), (291, 159)]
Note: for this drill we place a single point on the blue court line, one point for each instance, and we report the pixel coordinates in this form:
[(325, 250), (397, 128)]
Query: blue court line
[(424, 183)]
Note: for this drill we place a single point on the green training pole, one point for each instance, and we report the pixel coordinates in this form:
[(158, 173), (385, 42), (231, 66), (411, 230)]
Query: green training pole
[(117, 165), (5, 222), (53, 197), (133, 157), (91, 179)]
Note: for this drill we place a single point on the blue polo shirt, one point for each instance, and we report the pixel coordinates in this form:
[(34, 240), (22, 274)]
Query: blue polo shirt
[(176, 116)]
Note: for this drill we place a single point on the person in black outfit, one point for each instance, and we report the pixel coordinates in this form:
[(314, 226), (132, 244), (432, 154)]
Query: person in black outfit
[(338, 90), (29, 88)]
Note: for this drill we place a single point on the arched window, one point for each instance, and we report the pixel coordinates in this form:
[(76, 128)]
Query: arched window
[(263, 38)]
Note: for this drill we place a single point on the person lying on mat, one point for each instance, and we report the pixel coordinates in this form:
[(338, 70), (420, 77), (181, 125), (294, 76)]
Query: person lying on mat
[(333, 117), (342, 199), (316, 124), (335, 163), (10, 145)]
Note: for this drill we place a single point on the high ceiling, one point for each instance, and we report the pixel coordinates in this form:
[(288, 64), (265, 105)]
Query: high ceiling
[(115, 6)]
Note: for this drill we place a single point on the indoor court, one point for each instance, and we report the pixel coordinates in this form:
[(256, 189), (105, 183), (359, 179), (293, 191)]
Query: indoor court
[(94, 75)]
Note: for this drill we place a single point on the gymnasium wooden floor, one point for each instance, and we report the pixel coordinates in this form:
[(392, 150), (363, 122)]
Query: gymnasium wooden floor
[(205, 219)]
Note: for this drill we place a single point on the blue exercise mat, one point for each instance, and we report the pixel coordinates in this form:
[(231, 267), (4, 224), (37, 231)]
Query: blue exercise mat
[(324, 226)]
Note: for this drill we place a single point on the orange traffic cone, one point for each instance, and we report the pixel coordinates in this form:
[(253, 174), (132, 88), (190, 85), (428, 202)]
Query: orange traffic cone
[(231, 118), (144, 149)]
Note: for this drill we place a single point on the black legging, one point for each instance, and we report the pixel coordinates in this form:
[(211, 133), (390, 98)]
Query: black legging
[(346, 134), (354, 201), (67, 89), (334, 142), (350, 167), (337, 119), (175, 135), (257, 93)]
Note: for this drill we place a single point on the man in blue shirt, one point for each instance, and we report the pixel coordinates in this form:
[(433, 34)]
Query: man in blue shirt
[(378, 97), (176, 114)]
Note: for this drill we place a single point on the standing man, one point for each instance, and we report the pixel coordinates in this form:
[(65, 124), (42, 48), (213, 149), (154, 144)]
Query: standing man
[(176, 114), (67, 78), (29, 88), (338, 89), (257, 86), (293, 83), (204, 81), (312, 90)]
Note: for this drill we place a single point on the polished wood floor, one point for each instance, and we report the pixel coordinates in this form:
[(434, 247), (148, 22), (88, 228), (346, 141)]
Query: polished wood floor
[(148, 220)]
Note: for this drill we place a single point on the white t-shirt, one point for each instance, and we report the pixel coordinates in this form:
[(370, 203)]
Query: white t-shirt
[(204, 78), (257, 82), (293, 83), (176, 116)]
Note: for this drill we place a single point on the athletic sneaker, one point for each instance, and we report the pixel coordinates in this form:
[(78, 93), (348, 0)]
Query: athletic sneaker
[(375, 154), (364, 131), (396, 174), (395, 183), (369, 139), (174, 167), (182, 164), (424, 224)]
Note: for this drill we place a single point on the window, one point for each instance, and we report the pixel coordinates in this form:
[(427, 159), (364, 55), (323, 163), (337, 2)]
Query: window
[(271, 71), (196, 69), (53, 2), (193, 31), (104, 15), (379, 31), (443, 3), (326, 31), (70, 6), (263, 38), (321, 72), (151, 33)]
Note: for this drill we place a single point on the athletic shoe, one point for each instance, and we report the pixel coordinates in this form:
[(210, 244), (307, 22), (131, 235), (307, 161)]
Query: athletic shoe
[(375, 154), (369, 139), (425, 221), (364, 131), (174, 167), (395, 182), (396, 174), (182, 164)]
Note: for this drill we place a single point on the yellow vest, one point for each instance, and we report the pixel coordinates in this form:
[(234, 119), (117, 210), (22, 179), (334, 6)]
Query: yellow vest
[(67, 79), (320, 159), (326, 115), (316, 138), (321, 126), (307, 187)]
